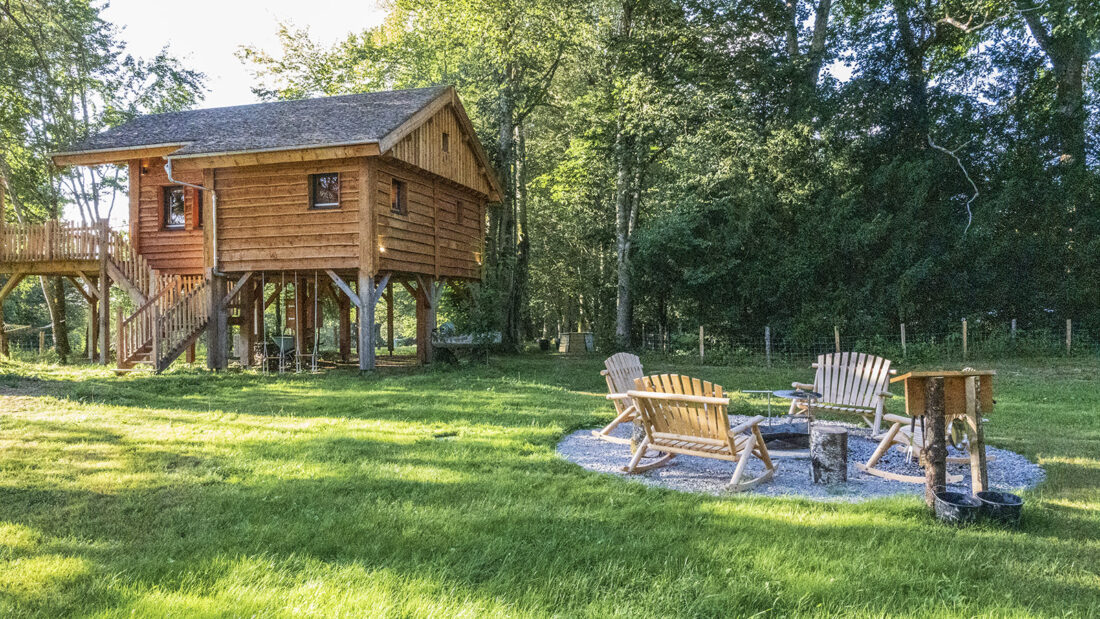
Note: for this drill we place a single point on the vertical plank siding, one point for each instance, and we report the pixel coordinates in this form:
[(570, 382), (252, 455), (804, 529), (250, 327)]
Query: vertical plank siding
[(423, 148), (265, 222)]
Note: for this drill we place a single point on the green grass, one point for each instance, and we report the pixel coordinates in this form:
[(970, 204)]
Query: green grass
[(438, 493)]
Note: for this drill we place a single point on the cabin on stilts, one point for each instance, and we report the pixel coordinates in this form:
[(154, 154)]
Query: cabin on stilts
[(339, 197)]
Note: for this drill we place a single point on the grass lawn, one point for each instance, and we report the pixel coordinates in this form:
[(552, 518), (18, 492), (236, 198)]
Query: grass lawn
[(438, 493)]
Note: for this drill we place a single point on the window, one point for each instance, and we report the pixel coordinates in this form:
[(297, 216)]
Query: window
[(174, 213), (446, 142), (198, 209), (324, 190), (398, 200)]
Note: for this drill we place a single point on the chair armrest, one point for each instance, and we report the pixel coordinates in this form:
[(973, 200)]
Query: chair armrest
[(803, 386), (896, 418), (885, 394), (604, 372), (738, 429), (617, 396)]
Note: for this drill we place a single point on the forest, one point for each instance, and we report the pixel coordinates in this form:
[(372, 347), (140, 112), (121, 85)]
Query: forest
[(673, 164)]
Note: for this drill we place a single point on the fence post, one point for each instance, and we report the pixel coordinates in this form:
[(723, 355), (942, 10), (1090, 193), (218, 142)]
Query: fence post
[(1012, 330), (903, 339), (1069, 335), (700, 342), (836, 337), (41, 343), (768, 345), (964, 340)]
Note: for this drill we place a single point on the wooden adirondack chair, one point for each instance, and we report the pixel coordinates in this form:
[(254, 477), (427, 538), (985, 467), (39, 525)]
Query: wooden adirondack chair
[(622, 370), (850, 383), (684, 415)]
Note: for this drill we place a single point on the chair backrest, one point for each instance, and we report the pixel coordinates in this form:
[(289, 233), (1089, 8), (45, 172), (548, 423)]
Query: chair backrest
[(622, 370), (702, 414), (852, 379)]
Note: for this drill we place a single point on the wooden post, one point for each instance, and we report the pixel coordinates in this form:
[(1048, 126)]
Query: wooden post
[(41, 342), (368, 297), (979, 473), (191, 354), (1069, 335), (836, 336), (247, 301), (768, 345), (217, 332), (3, 329), (104, 296), (118, 332), (828, 454), (935, 451), (389, 318), (964, 340), (701, 342), (1012, 330), (93, 328), (427, 301), (903, 354), (344, 305)]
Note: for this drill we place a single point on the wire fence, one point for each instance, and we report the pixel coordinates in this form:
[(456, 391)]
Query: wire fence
[(987, 342)]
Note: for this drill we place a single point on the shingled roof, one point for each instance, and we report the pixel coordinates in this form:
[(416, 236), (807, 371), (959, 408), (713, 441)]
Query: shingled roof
[(282, 125)]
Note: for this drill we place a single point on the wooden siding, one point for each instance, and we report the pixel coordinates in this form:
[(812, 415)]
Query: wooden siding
[(265, 223), (171, 251), (423, 148), (429, 239)]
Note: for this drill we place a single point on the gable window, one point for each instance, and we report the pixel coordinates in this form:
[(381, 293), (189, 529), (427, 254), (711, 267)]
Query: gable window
[(324, 190), (174, 216), (446, 142), (398, 198)]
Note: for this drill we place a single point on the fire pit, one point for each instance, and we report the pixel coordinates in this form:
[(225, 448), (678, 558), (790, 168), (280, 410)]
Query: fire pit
[(790, 436)]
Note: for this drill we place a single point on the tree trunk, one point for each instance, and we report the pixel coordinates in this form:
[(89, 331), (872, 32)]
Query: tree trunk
[(916, 83), (53, 289), (624, 177), (523, 243), (506, 227)]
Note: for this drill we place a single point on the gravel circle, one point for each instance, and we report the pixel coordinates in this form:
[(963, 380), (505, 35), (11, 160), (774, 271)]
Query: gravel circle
[(1008, 471)]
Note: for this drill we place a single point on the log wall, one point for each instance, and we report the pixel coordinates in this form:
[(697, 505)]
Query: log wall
[(265, 222), (171, 251)]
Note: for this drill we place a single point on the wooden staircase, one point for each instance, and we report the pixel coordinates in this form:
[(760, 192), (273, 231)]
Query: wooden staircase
[(165, 326)]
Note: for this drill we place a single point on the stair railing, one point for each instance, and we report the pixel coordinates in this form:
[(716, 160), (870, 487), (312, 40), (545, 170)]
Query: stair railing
[(176, 326)]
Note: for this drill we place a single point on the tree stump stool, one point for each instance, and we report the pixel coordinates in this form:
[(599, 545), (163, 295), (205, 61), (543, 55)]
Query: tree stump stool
[(829, 454)]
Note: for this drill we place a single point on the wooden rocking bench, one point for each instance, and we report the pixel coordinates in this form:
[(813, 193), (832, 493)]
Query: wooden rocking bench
[(622, 370), (851, 384), (684, 415)]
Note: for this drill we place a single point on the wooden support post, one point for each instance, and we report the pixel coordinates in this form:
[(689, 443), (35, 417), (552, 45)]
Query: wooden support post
[(104, 297), (965, 353), (389, 318), (344, 305), (93, 327), (118, 332), (979, 473), (245, 332), (836, 336), (1012, 330), (934, 455), (217, 332), (191, 354), (428, 293), (768, 345), (701, 351), (3, 329), (369, 293), (41, 343), (903, 354), (1069, 335)]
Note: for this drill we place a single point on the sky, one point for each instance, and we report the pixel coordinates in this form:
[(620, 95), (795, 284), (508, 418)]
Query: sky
[(206, 33)]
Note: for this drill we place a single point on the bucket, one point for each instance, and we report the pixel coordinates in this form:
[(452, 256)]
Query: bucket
[(957, 508), (1001, 507)]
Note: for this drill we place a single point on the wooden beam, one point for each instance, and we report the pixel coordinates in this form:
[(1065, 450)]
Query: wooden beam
[(296, 155), (10, 285), (342, 285), (118, 155), (80, 288), (121, 279), (368, 190), (87, 280), (135, 204), (235, 289), (209, 181), (217, 346)]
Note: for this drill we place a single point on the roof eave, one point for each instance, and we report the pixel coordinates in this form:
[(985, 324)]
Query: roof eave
[(119, 154)]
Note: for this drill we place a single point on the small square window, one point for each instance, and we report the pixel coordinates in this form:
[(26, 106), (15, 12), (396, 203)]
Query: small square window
[(398, 198), (446, 142), (324, 190), (175, 217)]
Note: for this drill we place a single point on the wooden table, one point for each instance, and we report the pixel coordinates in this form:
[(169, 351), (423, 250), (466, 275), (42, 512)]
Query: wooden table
[(938, 395)]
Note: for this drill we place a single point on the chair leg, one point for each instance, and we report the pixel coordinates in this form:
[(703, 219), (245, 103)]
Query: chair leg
[(626, 415), (638, 453), (878, 415), (746, 453), (884, 446), (761, 448)]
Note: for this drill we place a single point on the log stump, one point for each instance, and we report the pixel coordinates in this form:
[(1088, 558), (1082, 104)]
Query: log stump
[(829, 454)]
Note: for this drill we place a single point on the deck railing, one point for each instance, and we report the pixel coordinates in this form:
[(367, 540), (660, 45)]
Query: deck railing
[(50, 241)]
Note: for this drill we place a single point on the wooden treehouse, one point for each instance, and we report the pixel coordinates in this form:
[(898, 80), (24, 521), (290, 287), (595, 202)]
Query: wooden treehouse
[(231, 208)]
